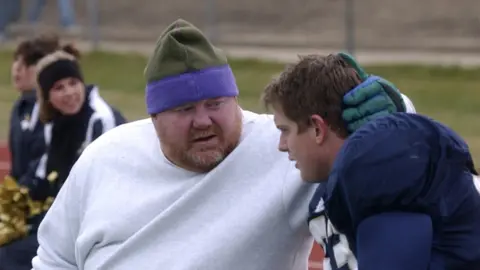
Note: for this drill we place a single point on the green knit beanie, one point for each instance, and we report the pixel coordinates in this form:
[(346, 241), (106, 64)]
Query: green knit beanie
[(181, 48), (182, 68)]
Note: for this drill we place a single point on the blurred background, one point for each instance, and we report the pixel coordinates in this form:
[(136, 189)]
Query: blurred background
[(430, 49), (441, 25)]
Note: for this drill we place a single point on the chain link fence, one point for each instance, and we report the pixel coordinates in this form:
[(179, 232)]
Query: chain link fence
[(334, 24)]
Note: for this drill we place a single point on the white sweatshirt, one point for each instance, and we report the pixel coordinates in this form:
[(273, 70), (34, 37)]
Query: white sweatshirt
[(125, 207)]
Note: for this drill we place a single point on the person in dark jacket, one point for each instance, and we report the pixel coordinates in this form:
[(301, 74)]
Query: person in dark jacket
[(25, 135), (73, 115), (400, 192)]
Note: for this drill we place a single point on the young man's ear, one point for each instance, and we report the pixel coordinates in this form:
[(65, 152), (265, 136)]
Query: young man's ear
[(320, 127)]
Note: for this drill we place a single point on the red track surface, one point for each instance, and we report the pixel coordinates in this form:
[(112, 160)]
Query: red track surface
[(4, 160)]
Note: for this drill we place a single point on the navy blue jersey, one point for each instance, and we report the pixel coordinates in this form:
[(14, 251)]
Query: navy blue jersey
[(402, 192), (26, 142)]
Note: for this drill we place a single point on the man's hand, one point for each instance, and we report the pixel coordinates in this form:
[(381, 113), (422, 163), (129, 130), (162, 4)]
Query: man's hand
[(373, 98)]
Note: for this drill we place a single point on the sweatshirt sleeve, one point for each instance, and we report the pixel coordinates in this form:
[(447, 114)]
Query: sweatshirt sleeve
[(296, 198), (59, 229)]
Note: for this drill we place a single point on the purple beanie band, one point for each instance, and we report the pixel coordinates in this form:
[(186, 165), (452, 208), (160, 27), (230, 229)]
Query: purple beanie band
[(174, 91)]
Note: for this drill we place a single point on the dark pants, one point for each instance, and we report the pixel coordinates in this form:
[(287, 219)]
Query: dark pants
[(18, 255)]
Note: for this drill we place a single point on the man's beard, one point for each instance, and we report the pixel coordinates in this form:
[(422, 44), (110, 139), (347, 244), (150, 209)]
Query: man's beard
[(204, 158)]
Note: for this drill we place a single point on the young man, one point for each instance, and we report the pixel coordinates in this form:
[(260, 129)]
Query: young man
[(200, 184), (26, 142), (400, 189)]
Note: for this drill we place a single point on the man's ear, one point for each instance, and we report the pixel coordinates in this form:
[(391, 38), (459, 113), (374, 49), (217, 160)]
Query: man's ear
[(320, 127)]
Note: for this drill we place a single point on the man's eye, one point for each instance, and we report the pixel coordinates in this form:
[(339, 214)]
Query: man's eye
[(184, 109), (214, 104), (283, 130)]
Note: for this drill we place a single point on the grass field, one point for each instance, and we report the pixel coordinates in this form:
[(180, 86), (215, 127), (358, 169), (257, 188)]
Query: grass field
[(450, 95)]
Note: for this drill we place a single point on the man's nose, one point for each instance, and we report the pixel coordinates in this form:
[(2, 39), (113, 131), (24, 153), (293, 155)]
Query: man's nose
[(201, 119)]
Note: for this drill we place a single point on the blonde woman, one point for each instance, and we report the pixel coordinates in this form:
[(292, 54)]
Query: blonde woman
[(74, 113)]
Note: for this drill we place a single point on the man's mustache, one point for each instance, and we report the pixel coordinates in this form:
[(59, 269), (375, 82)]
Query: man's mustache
[(202, 135)]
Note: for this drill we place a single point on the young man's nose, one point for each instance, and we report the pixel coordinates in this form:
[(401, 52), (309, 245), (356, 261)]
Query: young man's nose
[(282, 146)]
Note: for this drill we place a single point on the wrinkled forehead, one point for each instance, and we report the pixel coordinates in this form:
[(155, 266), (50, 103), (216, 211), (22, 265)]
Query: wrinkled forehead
[(208, 107), (202, 102)]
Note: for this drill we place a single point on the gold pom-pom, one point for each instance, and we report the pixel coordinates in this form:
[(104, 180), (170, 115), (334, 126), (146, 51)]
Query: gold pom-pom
[(16, 206), (52, 176), (47, 204)]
